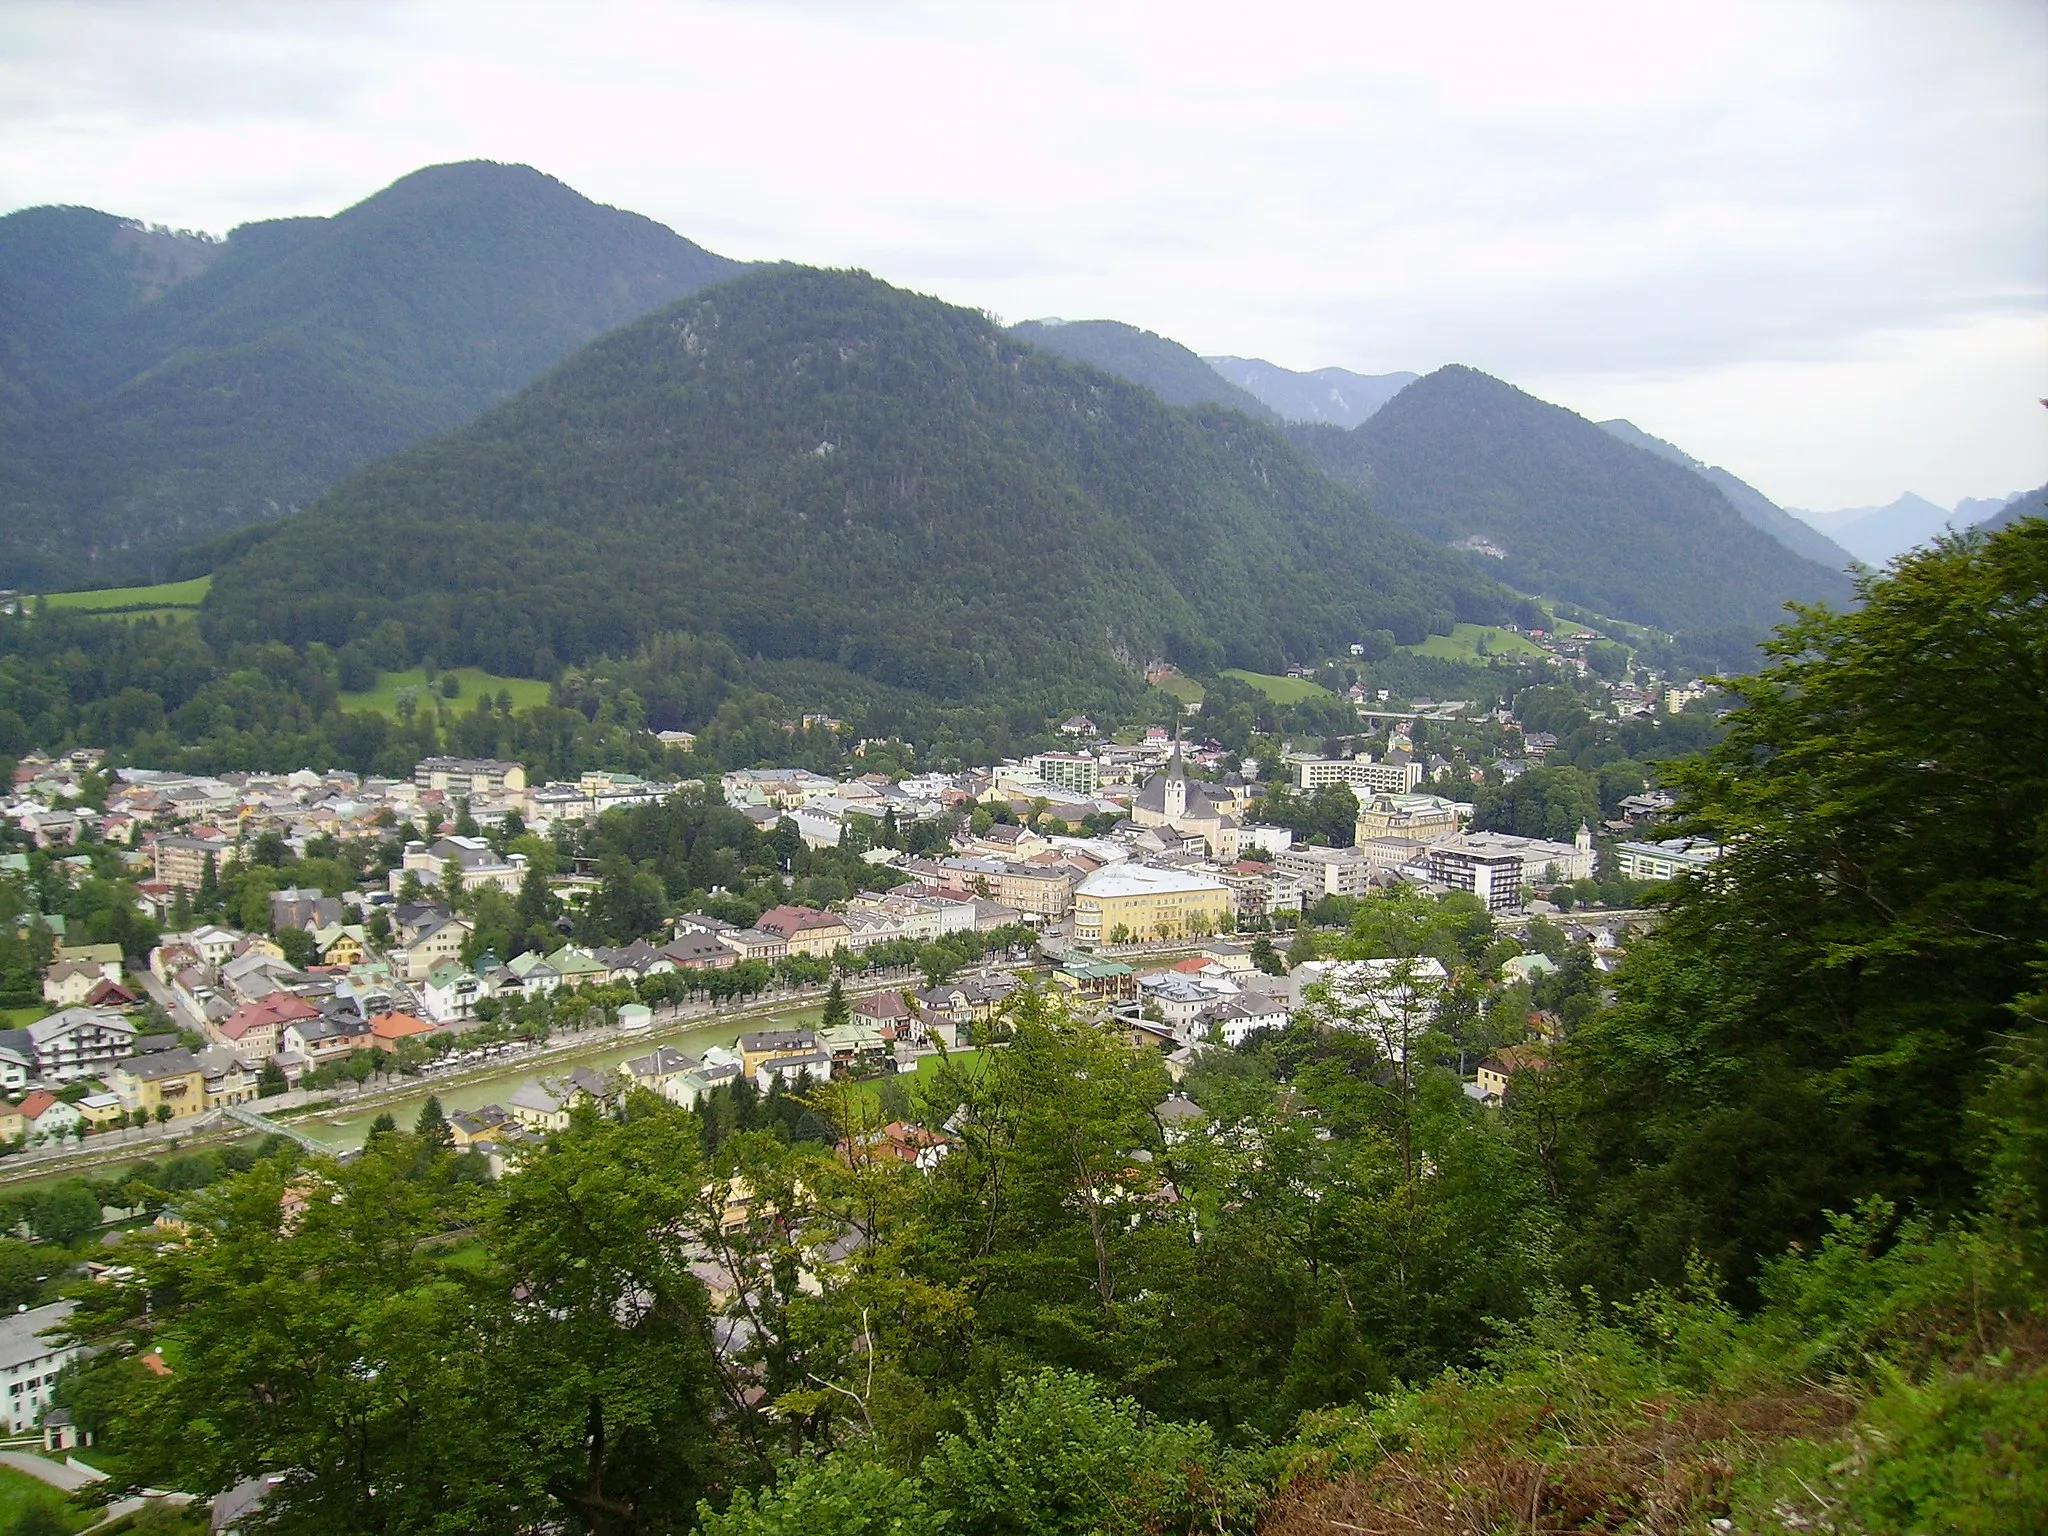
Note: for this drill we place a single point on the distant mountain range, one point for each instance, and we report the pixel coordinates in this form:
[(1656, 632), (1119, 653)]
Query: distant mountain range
[(1165, 367), (822, 469), (157, 389), (1562, 508), (1756, 508), (1333, 395), (1875, 534)]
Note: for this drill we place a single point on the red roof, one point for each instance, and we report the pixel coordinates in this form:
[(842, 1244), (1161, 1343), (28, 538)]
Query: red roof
[(33, 1106), (272, 1012), (790, 921), (397, 1026)]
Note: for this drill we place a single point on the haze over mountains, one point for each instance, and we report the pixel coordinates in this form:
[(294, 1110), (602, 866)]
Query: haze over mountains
[(1165, 367), (821, 468), (1875, 534), (1333, 395), (157, 389), (1755, 507)]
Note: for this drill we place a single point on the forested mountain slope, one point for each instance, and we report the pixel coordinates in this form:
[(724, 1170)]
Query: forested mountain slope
[(817, 465), (1757, 508), (1578, 515), (1162, 365), (1335, 395), (157, 389)]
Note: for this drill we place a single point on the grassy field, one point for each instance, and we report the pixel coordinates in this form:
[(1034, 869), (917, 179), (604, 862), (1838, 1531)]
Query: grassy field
[(927, 1067), (21, 1018), (1462, 644), (1186, 689), (1281, 690), (383, 699), (20, 1493), (165, 595)]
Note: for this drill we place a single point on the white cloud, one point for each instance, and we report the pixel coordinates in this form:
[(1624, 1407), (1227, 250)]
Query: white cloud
[(1701, 210)]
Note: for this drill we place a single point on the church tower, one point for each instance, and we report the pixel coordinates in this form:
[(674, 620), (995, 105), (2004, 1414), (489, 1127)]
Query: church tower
[(1176, 805)]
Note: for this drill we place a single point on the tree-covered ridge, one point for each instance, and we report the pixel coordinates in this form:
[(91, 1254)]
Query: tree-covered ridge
[(1458, 455), (1172, 372), (156, 389), (816, 466)]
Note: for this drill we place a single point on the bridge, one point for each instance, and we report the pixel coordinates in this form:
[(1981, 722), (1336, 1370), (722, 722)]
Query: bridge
[(242, 1114)]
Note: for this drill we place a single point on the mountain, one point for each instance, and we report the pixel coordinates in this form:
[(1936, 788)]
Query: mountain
[(816, 466), (1874, 534), (1756, 508), (1334, 395), (158, 388), (1165, 367), (1565, 509), (2032, 503)]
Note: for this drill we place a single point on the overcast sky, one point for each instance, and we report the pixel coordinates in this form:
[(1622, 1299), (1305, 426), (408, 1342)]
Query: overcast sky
[(1803, 240)]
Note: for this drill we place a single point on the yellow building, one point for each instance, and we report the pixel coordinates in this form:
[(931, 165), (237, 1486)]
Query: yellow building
[(1127, 902), (340, 945), (171, 1078)]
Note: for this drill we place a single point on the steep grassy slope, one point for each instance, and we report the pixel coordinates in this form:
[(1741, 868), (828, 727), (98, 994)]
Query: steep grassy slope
[(156, 390), (818, 466)]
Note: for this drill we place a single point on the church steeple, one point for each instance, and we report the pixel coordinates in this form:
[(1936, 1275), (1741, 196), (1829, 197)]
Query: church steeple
[(1176, 805)]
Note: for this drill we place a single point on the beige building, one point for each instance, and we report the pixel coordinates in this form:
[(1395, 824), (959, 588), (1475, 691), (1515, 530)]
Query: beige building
[(163, 1078), (1139, 902), (1417, 818)]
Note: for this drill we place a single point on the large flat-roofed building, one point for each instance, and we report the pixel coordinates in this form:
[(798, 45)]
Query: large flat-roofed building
[(479, 778), (1666, 860), (1328, 871), (1141, 902), (1397, 775), (181, 861), (1073, 771)]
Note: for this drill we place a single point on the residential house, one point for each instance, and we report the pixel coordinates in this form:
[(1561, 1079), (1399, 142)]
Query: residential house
[(226, 1077), (434, 940), (477, 862), (169, 1079), (46, 1118), (387, 1029), (255, 1031), (181, 861), (470, 1126), (451, 992), (694, 951), (328, 1036), (79, 1042), (807, 930), (755, 944), (295, 907), (1498, 1072), (69, 983), (660, 1070), (471, 778)]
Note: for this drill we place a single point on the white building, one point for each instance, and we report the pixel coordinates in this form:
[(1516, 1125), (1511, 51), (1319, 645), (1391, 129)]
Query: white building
[(30, 1363), (1666, 860), (1397, 775)]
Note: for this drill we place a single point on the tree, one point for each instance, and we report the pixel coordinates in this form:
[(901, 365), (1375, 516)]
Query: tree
[(432, 1127), (837, 1013), (163, 1114), (299, 949), (271, 1081), (1810, 1025)]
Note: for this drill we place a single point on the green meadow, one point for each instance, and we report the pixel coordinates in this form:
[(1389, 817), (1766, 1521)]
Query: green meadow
[(1281, 690), (1462, 644), (155, 601), (383, 699)]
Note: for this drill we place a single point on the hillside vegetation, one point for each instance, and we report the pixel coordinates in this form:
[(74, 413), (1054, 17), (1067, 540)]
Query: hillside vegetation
[(157, 389), (1757, 1241), (1172, 372), (1578, 515), (815, 466)]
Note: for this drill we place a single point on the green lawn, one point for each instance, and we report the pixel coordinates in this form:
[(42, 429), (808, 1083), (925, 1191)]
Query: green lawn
[(1281, 690), (927, 1066), (1184, 688), (21, 1018), (383, 699), (168, 594), (1462, 644), (19, 1493)]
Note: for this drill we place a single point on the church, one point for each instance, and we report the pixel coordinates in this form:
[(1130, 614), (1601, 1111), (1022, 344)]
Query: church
[(1191, 807)]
